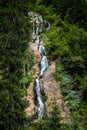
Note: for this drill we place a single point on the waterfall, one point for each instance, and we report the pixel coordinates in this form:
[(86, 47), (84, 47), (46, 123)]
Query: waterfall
[(42, 50), (37, 21), (44, 66), (39, 99), (37, 41)]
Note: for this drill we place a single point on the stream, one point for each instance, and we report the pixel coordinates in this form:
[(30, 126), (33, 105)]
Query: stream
[(38, 24)]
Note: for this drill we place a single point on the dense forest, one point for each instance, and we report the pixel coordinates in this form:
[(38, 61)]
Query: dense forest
[(66, 44), (14, 39)]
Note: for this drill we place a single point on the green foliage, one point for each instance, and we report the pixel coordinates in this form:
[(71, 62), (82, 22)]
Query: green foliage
[(14, 39), (64, 42), (72, 11), (67, 44), (25, 81), (51, 122), (73, 97)]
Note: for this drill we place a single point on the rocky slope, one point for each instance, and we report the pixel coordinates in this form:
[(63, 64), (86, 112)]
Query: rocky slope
[(50, 87), (53, 93)]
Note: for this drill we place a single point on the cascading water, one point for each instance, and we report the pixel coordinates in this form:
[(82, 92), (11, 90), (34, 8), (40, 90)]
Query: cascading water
[(37, 41), (42, 50), (39, 99), (44, 66), (43, 63)]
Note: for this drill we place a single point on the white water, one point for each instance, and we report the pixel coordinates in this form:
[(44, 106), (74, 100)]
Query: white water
[(40, 104), (44, 66), (43, 63), (42, 50), (37, 41)]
